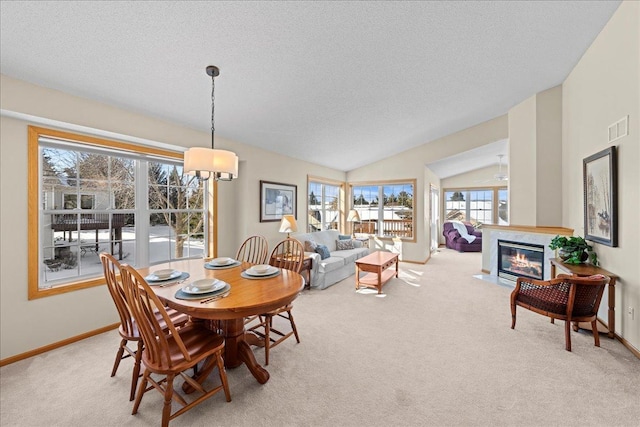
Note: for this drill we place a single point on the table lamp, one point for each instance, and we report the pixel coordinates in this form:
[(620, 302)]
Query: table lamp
[(353, 217), (288, 225)]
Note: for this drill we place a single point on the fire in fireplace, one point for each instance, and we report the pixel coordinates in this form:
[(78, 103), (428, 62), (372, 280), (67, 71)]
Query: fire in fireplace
[(517, 259)]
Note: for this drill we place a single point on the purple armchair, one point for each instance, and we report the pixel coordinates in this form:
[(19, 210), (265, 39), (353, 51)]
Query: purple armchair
[(457, 242)]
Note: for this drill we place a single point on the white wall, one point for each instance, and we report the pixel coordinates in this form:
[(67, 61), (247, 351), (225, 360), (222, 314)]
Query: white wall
[(27, 325), (411, 164), (535, 148), (549, 157), (479, 178), (602, 88)]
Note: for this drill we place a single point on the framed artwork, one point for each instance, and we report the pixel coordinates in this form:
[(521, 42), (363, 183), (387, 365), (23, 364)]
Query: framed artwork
[(276, 200), (600, 174)]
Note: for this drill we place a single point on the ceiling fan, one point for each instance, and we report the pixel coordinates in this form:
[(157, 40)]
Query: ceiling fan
[(500, 176)]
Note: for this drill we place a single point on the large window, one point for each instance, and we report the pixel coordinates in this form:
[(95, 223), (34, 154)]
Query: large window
[(324, 207), (97, 195), (385, 209), (478, 206)]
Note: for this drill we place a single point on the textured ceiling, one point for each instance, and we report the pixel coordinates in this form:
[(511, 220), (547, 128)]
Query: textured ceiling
[(342, 84)]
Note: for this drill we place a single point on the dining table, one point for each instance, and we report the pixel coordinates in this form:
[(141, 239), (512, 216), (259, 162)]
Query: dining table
[(247, 296)]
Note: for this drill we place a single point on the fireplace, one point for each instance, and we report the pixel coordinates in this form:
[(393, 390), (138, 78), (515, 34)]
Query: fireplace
[(517, 259)]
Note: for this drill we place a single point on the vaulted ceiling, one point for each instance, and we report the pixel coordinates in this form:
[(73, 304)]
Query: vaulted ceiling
[(342, 84)]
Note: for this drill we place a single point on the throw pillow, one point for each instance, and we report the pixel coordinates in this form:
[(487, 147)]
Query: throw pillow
[(323, 251), (344, 237), (310, 246), (342, 245)]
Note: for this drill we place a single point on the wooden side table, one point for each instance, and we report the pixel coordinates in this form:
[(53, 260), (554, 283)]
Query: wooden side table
[(307, 265), (377, 267), (584, 270)]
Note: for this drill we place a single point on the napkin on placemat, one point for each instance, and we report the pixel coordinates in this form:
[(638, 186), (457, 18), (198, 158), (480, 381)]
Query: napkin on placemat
[(180, 294), (268, 276), (221, 267), (183, 276)]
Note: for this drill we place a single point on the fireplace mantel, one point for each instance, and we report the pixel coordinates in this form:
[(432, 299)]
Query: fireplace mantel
[(531, 229), (518, 233)]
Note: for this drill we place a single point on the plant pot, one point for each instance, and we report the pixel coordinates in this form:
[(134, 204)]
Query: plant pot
[(584, 257), (563, 255)]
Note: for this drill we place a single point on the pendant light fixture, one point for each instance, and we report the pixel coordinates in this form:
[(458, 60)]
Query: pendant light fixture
[(205, 163)]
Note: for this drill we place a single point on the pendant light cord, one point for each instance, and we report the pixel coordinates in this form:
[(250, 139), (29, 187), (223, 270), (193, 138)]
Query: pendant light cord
[(213, 98)]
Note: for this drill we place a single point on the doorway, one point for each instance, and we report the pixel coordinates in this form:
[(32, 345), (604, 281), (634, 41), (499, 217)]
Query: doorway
[(434, 214)]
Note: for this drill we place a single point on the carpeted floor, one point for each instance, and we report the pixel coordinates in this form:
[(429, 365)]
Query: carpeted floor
[(436, 349)]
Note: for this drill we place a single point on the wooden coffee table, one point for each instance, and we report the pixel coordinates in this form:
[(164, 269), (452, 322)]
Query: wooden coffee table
[(376, 265)]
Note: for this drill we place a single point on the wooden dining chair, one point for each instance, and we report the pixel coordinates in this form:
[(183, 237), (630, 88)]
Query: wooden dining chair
[(170, 355), (253, 250), (128, 329), (568, 298), (288, 254)]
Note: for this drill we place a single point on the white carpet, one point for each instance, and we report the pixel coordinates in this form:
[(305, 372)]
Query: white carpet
[(436, 349)]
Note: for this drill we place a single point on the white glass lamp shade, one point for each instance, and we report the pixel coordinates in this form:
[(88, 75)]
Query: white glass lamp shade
[(207, 162), (288, 224), (353, 216)]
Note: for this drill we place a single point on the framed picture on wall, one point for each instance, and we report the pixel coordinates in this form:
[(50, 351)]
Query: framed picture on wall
[(600, 174), (276, 200)]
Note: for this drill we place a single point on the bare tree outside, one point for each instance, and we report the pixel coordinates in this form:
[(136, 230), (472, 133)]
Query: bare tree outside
[(173, 192)]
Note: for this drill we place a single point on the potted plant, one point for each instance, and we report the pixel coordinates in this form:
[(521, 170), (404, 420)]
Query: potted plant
[(574, 250)]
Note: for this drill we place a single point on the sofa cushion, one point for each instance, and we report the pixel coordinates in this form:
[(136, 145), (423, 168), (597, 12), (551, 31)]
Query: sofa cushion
[(310, 245), (350, 255), (323, 251), (331, 264), (341, 245), (344, 237)]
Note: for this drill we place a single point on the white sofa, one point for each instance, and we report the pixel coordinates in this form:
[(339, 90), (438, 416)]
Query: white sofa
[(340, 265)]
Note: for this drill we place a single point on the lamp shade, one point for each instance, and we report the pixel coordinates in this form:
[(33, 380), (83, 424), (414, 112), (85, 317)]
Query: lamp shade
[(205, 163), (288, 224), (219, 164), (353, 216)]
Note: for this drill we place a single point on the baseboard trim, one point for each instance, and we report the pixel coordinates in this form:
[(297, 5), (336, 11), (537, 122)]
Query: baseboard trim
[(58, 344), (624, 342), (627, 344)]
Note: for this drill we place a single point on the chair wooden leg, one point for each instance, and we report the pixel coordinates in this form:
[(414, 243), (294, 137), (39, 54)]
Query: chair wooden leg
[(168, 393), (141, 390), (118, 357), (596, 334), (293, 326), (136, 371), (513, 316), (267, 339), (223, 376), (567, 334)]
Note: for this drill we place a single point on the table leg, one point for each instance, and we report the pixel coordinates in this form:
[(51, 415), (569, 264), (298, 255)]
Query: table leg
[(237, 351), (612, 308)]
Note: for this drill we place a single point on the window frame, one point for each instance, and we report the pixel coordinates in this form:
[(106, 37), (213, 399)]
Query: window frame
[(465, 190), (341, 199), (34, 133), (382, 184)]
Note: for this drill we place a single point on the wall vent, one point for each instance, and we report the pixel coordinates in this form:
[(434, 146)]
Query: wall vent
[(619, 129)]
